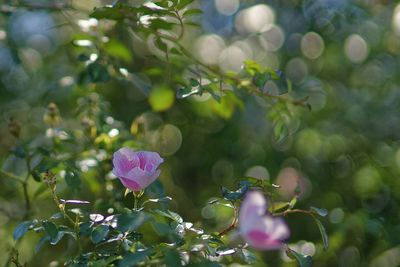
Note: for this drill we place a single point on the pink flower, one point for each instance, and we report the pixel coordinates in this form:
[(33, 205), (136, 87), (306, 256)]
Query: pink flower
[(136, 170), (260, 230)]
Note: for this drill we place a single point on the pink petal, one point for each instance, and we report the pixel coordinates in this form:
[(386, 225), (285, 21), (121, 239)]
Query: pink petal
[(149, 161), (130, 184), (124, 160), (261, 240), (253, 205)]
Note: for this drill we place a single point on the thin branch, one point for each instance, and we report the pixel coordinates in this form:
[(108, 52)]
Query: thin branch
[(286, 212), (53, 7), (182, 27), (248, 85), (233, 223), (11, 176)]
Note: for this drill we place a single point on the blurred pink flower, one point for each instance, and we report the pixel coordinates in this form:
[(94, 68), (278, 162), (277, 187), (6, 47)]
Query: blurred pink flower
[(258, 228), (136, 169)]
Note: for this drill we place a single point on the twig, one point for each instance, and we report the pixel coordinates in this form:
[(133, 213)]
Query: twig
[(182, 30), (233, 223), (248, 85), (53, 7), (286, 212)]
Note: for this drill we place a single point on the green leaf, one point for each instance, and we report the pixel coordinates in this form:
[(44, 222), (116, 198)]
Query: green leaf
[(132, 259), (172, 258), (107, 13), (247, 256), (131, 221), (322, 230), (117, 49), (302, 260), (41, 242), (235, 195), (157, 24), (183, 3), (50, 228), (170, 214), (161, 98), (73, 180), (187, 91), (58, 215), (84, 228), (19, 152), (192, 12), (157, 200), (260, 79), (99, 233), (98, 73), (204, 263), (22, 228), (194, 82), (320, 211), (57, 238), (292, 202), (161, 228)]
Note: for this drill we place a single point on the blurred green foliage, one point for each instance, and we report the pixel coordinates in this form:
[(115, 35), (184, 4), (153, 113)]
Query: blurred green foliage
[(315, 109)]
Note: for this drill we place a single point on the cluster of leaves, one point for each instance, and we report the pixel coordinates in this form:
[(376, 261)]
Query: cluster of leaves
[(118, 239)]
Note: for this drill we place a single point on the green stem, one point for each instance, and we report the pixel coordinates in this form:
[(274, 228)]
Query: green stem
[(286, 212), (136, 197), (11, 176), (25, 185), (234, 221), (247, 85)]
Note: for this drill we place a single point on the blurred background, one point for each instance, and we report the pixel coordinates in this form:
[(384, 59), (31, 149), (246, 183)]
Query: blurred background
[(344, 152)]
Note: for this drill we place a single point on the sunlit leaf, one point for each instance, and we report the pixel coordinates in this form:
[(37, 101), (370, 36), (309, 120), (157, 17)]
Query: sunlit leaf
[(170, 214), (302, 260), (118, 49)]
